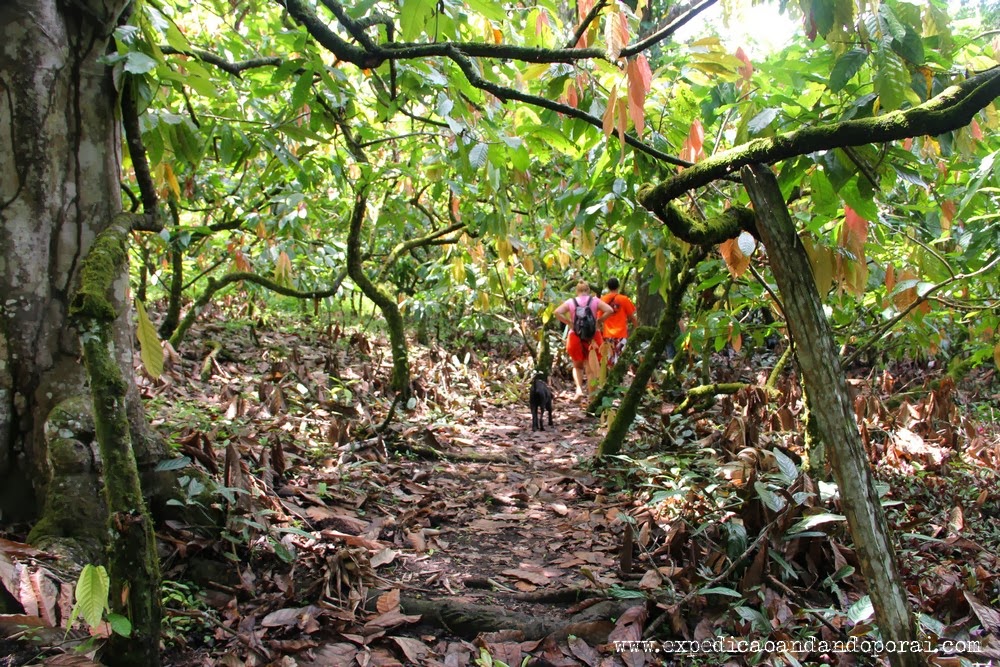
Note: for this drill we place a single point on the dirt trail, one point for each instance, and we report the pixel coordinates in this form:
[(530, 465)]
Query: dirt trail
[(529, 523)]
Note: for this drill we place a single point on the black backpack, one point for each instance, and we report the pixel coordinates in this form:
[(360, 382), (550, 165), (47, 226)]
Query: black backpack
[(584, 322)]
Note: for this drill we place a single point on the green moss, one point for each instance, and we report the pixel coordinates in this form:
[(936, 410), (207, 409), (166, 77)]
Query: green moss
[(100, 269)]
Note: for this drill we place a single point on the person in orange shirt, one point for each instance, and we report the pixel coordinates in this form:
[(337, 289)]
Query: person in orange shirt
[(616, 324)]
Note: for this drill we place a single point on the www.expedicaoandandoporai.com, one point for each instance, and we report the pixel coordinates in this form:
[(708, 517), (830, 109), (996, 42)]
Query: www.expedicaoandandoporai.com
[(856, 645)]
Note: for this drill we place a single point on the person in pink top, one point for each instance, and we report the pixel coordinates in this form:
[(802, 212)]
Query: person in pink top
[(579, 349)]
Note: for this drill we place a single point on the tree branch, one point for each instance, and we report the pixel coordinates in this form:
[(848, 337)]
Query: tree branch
[(235, 68)]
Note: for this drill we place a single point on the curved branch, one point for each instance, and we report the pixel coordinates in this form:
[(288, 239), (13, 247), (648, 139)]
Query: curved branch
[(433, 238), (667, 31), (508, 93), (713, 231), (235, 68), (216, 285), (951, 109)]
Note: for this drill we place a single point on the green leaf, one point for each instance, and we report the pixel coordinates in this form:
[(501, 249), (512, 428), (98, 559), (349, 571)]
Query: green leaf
[(150, 349), (762, 120), (139, 63), (303, 87), (789, 471), (492, 10), (861, 610), (545, 135), (815, 520), (720, 590), (172, 464), (846, 67), (771, 500), (92, 590), (889, 23), (863, 205), (413, 17), (120, 625), (478, 155), (911, 47)]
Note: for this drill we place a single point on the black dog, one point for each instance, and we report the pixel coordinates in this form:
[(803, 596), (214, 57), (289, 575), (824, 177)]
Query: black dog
[(540, 401)]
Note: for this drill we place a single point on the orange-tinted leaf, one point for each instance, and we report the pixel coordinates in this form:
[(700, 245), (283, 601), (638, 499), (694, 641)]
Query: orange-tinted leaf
[(615, 33), (497, 36), (746, 71), (996, 355), (904, 298), (171, 180), (622, 125), (541, 23), (821, 261), (638, 87), (977, 132), (693, 148), (609, 112), (890, 277), (736, 341), (948, 210), (853, 234), (736, 261)]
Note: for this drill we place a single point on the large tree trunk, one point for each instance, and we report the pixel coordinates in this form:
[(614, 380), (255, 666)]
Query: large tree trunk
[(830, 406), (59, 187)]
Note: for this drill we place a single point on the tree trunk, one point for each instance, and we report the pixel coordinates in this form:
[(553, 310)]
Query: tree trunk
[(666, 331), (132, 559), (60, 153), (831, 408), (384, 301)]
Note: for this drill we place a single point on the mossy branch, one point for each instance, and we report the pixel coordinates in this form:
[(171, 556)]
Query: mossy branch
[(705, 391), (132, 559), (713, 231), (951, 109)]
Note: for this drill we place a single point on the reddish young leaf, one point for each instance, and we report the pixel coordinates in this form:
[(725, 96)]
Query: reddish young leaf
[(609, 112), (541, 23), (977, 132), (639, 79), (746, 71), (693, 148), (853, 234)]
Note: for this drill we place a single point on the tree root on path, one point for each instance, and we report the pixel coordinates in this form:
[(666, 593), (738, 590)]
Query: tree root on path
[(560, 595), (468, 620)]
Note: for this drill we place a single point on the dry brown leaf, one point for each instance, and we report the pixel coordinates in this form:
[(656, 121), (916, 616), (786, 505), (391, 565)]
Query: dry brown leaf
[(989, 617), (340, 653), (417, 541), (650, 581), (383, 557), (388, 601), (583, 651), (629, 625), (290, 616), (414, 649), (536, 578), (391, 619)]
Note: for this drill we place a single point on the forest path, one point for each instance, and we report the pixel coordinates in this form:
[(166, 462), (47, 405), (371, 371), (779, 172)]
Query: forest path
[(529, 522)]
